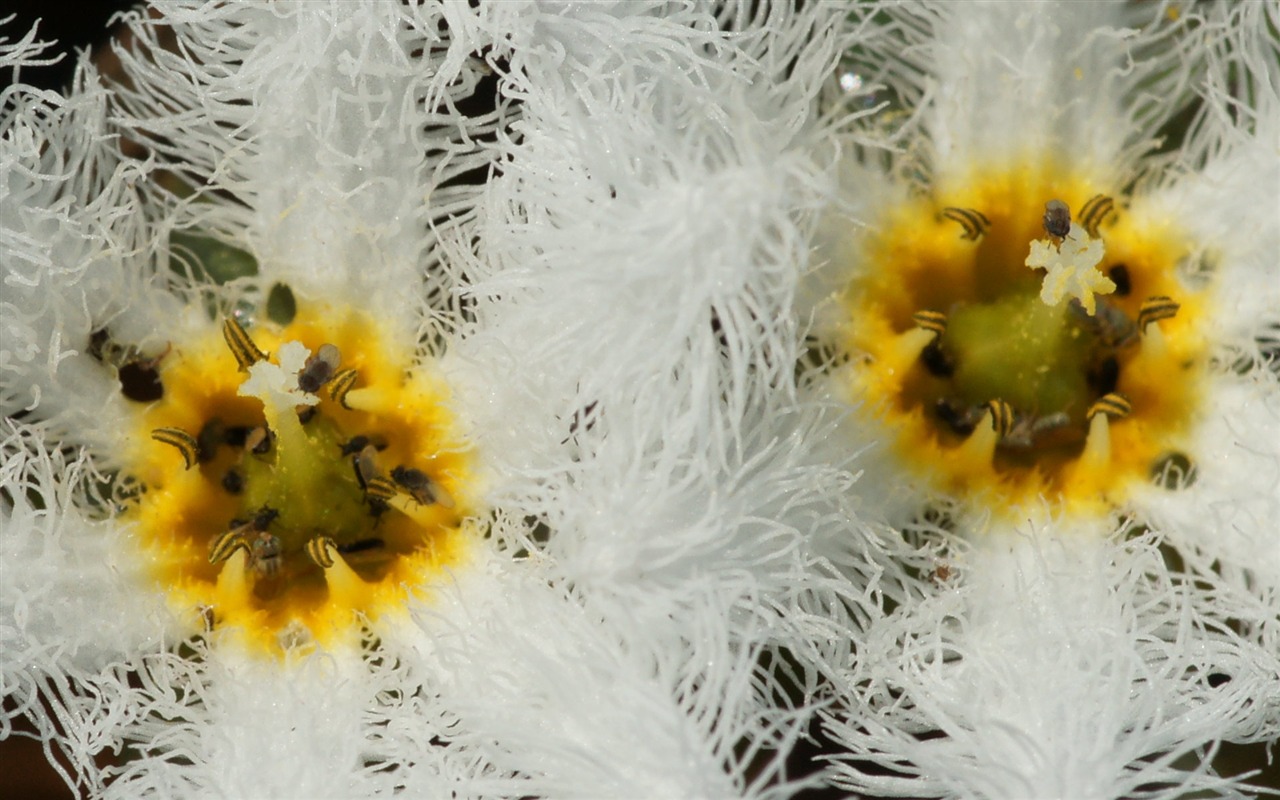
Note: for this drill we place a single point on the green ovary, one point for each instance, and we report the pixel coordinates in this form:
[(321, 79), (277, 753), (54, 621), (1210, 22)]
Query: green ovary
[(1022, 351), (313, 488)]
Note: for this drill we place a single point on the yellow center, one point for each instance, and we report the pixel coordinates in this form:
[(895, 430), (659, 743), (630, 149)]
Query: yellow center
[(241, 537), (1000, 391)]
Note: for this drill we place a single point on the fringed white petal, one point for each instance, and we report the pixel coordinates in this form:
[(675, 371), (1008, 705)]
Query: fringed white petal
[(75, 597), (655, 200), (1222, 194), (1240, 87), (322, 137), (1089, 82), (1227, 212), (230, 726), (543, 690), (1231, 507), (71, 229), (1224, 189), (1054, 664), (669, 505), (62, 566), (29, 50), (863, 191), (324, 726)]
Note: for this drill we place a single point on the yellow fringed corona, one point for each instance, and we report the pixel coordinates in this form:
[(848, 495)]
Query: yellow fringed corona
[(1049, 369), (254, 505)]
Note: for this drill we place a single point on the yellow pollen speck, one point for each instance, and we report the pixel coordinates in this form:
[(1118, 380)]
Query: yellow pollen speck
[(949, 329), (241, 536)]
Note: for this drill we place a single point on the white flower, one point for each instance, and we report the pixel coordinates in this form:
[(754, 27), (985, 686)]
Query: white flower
[(1084, 629), (632, 559), (576, 382)]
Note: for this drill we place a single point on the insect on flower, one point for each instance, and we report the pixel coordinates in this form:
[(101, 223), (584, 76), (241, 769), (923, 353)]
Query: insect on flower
[(1057, 219), (319, 369), (356, 444), (369, 474), (1109, 323), (265, 552), (421, 488)]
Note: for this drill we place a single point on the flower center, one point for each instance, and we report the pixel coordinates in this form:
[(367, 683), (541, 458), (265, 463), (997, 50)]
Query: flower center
[(298, 479), (1026, 340)]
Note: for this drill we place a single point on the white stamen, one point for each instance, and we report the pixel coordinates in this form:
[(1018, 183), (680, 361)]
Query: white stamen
[(1072, 268)]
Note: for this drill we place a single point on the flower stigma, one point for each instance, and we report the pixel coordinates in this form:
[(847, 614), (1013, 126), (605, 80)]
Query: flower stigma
[(298, 480), (1026, 340)]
